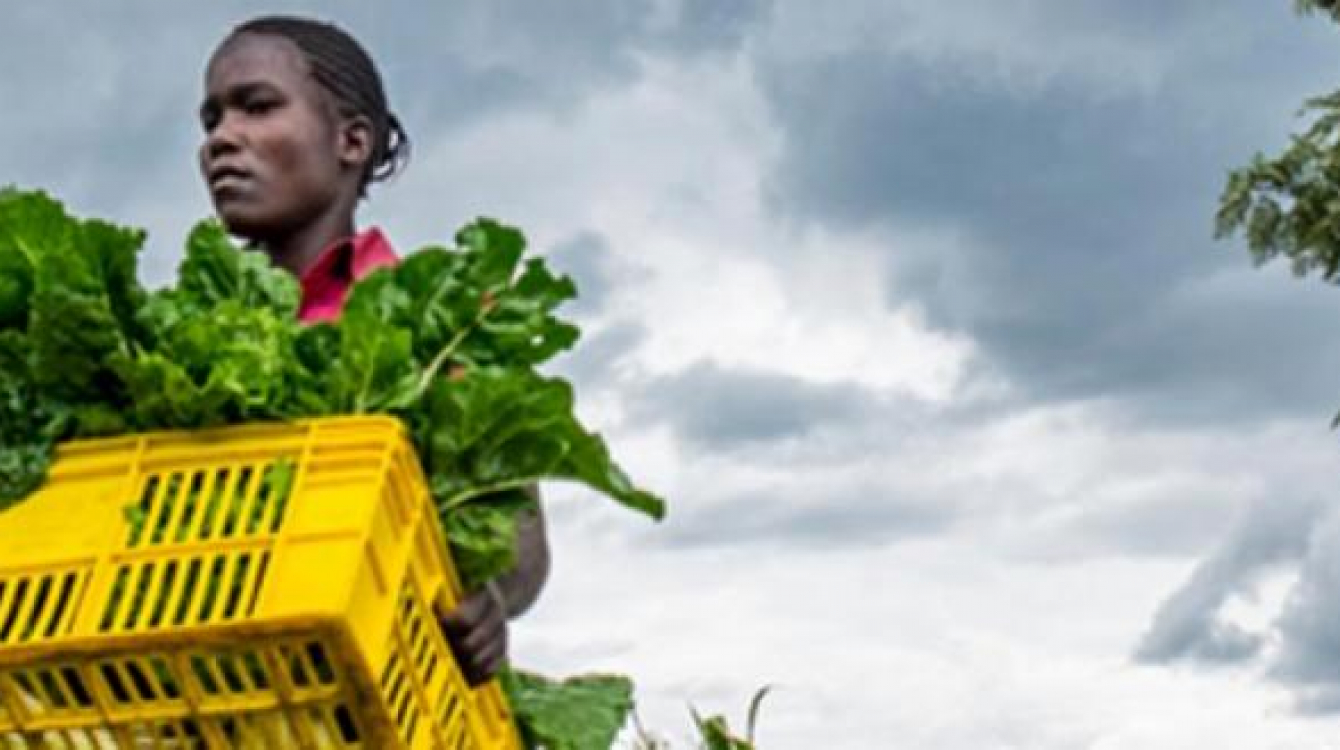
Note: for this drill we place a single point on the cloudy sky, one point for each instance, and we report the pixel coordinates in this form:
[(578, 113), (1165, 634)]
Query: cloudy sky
[(973, 437)]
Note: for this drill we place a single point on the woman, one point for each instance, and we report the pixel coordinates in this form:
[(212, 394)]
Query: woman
[(296, 128)]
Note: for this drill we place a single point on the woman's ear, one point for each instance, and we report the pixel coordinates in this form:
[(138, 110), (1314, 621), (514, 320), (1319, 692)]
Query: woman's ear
[(355, 146)]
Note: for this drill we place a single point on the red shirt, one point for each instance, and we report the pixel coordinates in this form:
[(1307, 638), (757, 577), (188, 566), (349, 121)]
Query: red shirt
[(326, 284)]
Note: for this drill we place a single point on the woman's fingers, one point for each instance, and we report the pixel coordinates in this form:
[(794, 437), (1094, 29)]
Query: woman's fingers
[(477, 633)]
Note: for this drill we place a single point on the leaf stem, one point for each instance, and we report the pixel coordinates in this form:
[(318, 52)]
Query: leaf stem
[(465, 496), (442, 357)]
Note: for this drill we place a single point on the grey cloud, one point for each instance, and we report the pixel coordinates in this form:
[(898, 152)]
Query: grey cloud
[(600, 356), (1167, 524), (585, 257), (600, 359), (1189, 624), (1084, 212), (460, 62), (1309, 659), (704, 26), (840, 518), (712, 407)]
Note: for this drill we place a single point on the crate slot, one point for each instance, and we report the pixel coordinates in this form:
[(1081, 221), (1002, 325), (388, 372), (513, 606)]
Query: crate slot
[(34, 607), (255, 580), (137, 682), (299, 676), (242, 673), (115, 682), (328, 726), (190, 587), (30, 695), (449, 713), (154, 595), (222, 502), (159, 499), (321, 664), (141, 683), (12, 599), (165, 678), (409, 723), (63, 608), (74, 685), (137, 593), (393, 679), (462, 739), (169, 586), (232, 491), (58, 698), (38, 608), (72, 739), (346, 727), (257, 669), (138, 514), (236, 675), (215, 570), (277, 486), (151, 680), (205, 676)]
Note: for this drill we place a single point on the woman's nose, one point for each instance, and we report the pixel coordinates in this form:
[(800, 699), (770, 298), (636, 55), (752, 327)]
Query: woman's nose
[(223, 138)]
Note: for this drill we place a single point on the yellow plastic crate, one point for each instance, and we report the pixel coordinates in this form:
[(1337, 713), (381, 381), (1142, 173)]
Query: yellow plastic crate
[(272, 587)]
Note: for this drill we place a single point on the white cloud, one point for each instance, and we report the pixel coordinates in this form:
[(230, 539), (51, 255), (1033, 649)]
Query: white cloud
[(669, 171), (923, 645)]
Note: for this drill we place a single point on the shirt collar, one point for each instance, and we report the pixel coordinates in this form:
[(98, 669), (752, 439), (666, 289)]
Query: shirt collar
[(370, 251), (326, 282)]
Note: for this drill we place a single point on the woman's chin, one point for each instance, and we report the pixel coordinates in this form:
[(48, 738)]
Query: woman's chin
[(241, 220)]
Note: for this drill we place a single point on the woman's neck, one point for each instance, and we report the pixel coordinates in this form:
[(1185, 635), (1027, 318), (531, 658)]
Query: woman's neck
[(297, 251)]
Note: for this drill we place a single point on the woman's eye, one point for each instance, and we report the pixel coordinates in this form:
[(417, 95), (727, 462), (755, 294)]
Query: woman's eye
[(259, 107)]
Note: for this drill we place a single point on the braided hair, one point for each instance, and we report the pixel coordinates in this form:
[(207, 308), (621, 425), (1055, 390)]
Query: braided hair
[(341, 66)]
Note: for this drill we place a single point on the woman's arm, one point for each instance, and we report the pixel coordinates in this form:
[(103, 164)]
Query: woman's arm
[(520, 587), (477, 629)]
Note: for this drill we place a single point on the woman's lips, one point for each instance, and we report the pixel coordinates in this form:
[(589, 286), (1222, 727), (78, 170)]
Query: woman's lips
[(230, 183)]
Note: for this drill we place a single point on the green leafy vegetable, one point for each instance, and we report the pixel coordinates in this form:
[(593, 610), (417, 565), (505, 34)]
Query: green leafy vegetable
[(87, 352), (581, 713)]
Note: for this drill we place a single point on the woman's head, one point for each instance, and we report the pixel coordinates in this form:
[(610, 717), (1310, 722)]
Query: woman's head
[(296, 126)]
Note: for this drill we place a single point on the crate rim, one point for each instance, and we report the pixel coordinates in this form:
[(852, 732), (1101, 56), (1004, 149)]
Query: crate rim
[(215, 433)]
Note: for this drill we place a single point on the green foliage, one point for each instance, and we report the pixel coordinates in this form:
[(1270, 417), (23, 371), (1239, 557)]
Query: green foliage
[(581, 713), (1329, 7), (448, 341), (501, 428), (1288, 205), (716, 734), (713, 732), (25, 424)]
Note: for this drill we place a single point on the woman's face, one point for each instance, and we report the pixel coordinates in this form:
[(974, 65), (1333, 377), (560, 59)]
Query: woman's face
[(272, 158)]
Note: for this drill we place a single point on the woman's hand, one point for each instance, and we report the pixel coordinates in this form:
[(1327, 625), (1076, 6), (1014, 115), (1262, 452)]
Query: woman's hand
[(477, 634), (477, 629)]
